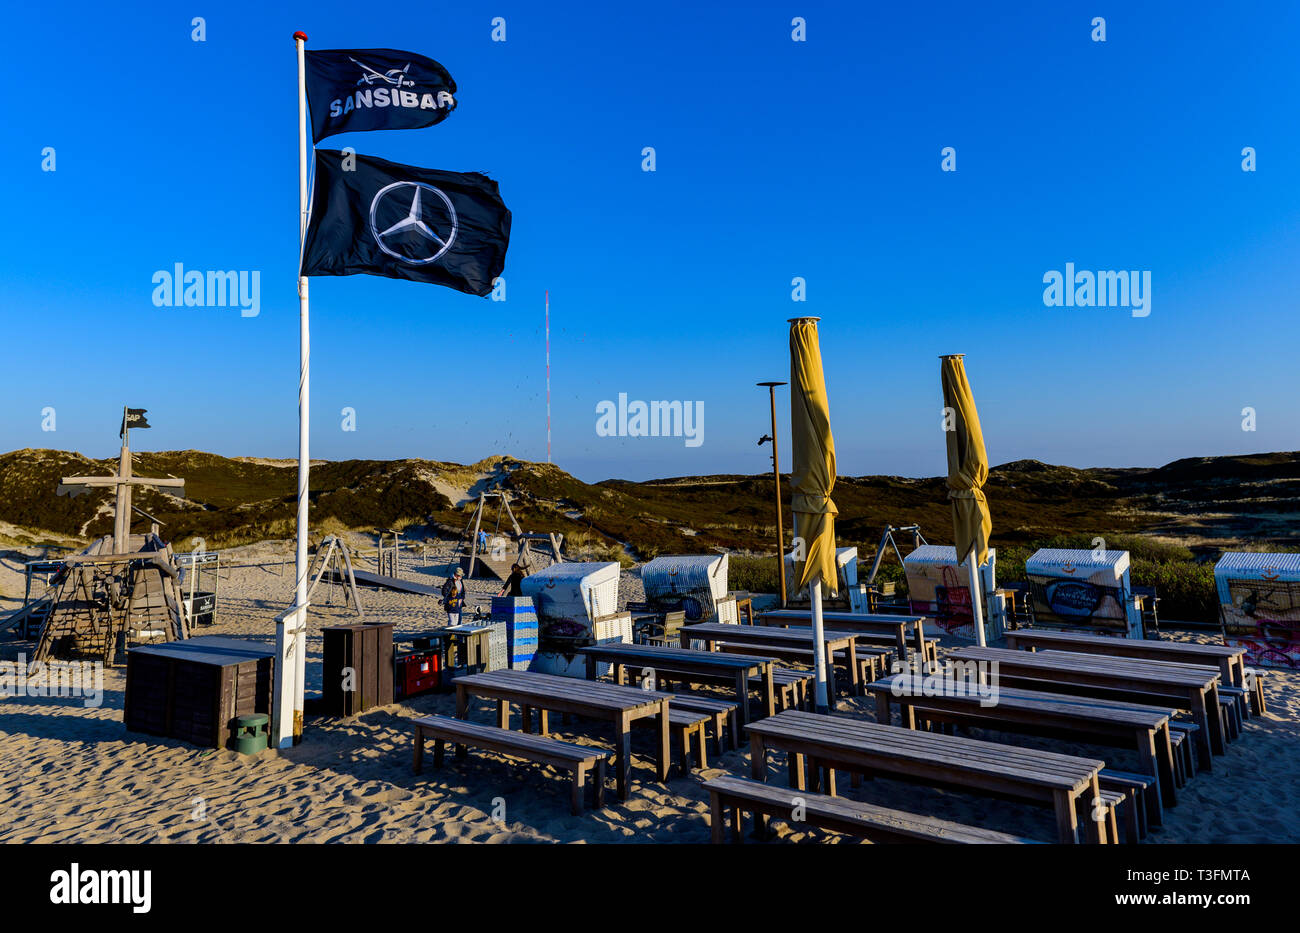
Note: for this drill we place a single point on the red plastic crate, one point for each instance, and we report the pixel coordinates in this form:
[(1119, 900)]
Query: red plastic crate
[(417, 672)]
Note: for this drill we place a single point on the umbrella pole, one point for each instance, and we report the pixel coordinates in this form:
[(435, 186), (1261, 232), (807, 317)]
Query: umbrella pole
[(976, 603), (819, 645)]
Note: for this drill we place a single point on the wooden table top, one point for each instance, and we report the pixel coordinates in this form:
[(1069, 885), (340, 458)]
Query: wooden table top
[(526, 685), (945, 757), (1136, 645), (762, 634), (1054, 705), (664, 656), (1135, 670), (871, 617)]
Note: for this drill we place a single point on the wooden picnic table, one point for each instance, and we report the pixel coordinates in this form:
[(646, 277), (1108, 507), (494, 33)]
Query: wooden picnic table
[(713, 633), (1195, 689), (692, 665), (596, 700), (1230, 661), (1145, 728), (874, 623), (1045, 778)]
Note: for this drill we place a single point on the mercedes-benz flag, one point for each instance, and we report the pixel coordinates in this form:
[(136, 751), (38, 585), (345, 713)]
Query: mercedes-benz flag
[(349, 90), (376, 217)]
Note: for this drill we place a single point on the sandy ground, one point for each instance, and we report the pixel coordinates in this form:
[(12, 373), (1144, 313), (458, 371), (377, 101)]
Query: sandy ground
[(73, 774)]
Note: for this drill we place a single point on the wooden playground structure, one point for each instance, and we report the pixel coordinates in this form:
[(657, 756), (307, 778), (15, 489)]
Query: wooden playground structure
[(121, 588), (493, 555)]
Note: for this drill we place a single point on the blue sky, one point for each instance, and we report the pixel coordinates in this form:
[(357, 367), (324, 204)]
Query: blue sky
[(775, 159)]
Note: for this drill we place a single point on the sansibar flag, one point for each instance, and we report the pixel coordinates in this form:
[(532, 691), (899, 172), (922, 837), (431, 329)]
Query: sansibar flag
[(376, 217), (350, 90)]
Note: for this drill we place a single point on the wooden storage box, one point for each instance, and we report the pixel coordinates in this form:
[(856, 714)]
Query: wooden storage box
[(366, 650), (195, 690)]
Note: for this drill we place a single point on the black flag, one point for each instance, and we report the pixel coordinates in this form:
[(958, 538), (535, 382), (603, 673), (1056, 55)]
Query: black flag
[(134, 418), (375, 89), (376, 217)]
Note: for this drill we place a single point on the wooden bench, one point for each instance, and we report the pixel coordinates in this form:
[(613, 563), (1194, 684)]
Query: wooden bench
[(686, 725), (1141, 787), (723, 713), (578, 760), (817, 745), (868, 658), (1180, 736), (1255, 683), (1111, 801), (1230, 706), (794, 688), (879, 824)]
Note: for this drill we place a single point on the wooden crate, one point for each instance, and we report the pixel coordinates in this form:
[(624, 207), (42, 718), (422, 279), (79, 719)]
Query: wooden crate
[(366, 648), (195, 690)]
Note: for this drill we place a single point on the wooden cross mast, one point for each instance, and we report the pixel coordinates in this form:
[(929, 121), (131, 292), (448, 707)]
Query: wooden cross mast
[(122, 483)]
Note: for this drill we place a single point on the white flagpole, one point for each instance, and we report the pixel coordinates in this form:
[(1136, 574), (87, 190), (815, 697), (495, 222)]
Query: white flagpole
[(291, 637)]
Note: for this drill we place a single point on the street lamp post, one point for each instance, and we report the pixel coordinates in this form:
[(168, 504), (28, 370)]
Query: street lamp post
[(776, 476)]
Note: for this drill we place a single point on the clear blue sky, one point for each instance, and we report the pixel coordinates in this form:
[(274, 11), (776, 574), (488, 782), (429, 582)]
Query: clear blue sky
[(775, 159)]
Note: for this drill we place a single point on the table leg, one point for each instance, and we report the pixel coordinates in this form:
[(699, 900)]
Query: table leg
[(798, 778), (503, 714), (906, 713), (855, 675), (419, 749), (1097, 831), (1168, 770), (462, 712), (1147, 750), (665, 747), (591, 668), (1201, 716), (757, 758), (902, 645), (1067, 820), (526, 713), (882, 708), (620, 673), (623, 754), (769, 690), (1215, 711), (831, 690), (742, 697), (543, 721)]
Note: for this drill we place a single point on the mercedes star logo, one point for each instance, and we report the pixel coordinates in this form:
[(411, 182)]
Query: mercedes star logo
[(416, 229)]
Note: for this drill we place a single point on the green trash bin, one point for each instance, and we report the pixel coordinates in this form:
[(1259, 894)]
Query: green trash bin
[(250, 734)]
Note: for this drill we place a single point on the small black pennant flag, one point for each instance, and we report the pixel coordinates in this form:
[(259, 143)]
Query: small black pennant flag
[(134, 418)]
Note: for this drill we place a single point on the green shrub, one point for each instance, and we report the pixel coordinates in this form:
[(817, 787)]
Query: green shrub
[(753, 574)]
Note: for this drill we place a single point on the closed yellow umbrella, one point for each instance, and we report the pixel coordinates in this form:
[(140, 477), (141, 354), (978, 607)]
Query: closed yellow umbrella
[(968, 470), (811, 482)]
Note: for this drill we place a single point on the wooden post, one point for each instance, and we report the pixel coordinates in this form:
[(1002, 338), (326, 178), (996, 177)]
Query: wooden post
[(776, 476)]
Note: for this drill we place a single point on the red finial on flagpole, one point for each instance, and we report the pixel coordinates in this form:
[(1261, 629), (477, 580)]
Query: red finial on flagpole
[(300, 35)]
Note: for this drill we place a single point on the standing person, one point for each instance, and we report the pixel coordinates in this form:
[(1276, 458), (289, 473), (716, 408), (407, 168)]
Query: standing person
[(453, 596), (512, 587)]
